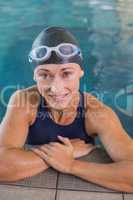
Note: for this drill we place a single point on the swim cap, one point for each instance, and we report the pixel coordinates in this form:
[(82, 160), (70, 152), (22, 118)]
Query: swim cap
[(52, 37)]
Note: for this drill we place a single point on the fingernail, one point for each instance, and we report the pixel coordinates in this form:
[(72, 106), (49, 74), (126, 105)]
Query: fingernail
[(60, 136)]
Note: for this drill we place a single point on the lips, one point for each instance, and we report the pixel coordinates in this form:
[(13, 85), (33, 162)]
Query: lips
[(58, 97)]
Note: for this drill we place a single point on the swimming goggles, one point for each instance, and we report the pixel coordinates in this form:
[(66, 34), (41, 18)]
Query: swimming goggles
[(63, 50)]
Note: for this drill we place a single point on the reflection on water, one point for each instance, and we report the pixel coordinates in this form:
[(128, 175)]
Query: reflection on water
[(124, 100), (113, 47), (105, 31)]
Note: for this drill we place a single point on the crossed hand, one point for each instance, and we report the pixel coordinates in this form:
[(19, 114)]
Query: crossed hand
[(61, 155)]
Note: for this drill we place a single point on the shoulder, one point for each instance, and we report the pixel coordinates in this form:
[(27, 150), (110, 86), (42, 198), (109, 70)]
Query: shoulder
[(92, 103), (95, 106), (98, 116), (25, 97), (25, 101)]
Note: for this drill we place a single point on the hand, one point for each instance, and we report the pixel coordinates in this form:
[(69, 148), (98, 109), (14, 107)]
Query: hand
[(33, 149), (58, 156), (81, 148)]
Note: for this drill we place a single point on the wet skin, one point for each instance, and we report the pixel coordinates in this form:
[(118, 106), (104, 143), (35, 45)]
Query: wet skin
[(59, 85)]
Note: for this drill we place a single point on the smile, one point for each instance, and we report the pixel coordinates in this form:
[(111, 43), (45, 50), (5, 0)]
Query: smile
[(58, 97)]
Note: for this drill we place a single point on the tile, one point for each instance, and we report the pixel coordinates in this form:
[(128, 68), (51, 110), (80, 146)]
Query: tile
[(22, 193), (128, 196), (75, 183), (46, 179), (98, 155), (78, 195)]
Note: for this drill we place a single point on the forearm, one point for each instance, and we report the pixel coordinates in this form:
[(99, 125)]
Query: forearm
[(119, 145), (117, 176), (16, 164)]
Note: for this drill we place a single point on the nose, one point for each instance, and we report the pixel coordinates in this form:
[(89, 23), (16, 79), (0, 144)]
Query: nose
[(57, 85)]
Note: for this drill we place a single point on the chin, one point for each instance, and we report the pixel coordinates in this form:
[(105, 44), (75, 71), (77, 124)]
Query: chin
[(59, 105)]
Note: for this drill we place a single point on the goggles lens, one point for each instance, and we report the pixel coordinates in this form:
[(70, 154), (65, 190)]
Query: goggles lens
[(40, 52), (64, 50)]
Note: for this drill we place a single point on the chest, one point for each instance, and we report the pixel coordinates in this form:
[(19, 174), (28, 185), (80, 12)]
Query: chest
[(45, 130)]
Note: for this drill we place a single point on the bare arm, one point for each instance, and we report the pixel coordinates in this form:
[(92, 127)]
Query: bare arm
[(118, 144), (104, 121), (15, 162), (117, 175)]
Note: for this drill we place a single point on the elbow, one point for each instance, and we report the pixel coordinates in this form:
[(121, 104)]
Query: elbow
[(129, 185), (7, 168), (129, 177), (121, 186), (10, 173), (7, 173), (127, 188), (9, 178)]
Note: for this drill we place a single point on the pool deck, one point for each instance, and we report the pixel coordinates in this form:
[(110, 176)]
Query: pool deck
[(52, 185)]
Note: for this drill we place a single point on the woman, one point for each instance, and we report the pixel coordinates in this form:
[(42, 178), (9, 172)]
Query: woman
[(53, 107), (63, 121)]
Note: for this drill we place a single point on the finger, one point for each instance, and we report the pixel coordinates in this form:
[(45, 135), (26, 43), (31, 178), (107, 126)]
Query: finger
[(47, 146), (65, 140), (91, 148), (81, 142), (38, 152), (46, 157), (55, 144), (75, 140), (82, 145), (51, 150), (44, 146), (47, 149)]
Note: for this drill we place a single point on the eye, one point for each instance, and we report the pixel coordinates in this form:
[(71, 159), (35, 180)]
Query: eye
[(66, 74), (43, 75)]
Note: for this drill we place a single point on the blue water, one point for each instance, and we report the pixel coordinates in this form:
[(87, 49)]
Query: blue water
[(104, 29)]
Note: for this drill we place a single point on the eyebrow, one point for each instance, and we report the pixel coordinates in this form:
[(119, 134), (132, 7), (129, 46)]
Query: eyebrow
[(61, 69), (44, 70), (67, 68)]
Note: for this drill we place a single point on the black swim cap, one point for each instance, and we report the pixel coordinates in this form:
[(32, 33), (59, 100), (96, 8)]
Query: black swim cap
[(53, 36)]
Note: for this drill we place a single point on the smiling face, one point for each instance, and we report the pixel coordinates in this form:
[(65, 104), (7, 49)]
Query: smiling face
[(58, 83)]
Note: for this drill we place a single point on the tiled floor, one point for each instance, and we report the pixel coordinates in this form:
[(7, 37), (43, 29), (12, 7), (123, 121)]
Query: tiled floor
[(51, 185), (67, 195), (25, 193)]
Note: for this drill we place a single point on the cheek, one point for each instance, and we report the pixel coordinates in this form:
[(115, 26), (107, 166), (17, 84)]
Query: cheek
[(42, 88), (73, 85)]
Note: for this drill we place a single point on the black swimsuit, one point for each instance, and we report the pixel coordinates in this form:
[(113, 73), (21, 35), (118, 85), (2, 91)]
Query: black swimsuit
[(45, 130)]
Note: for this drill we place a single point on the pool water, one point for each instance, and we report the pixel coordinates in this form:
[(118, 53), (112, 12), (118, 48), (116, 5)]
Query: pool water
[(104, 29)]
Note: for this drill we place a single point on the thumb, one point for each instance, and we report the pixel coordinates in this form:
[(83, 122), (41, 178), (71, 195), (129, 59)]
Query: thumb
[(64, 140)]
